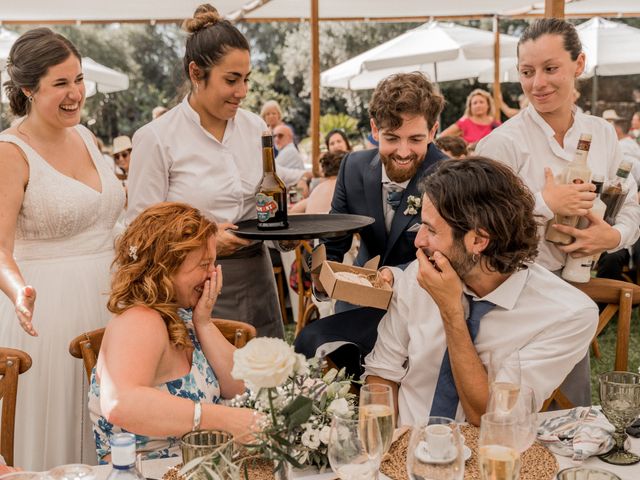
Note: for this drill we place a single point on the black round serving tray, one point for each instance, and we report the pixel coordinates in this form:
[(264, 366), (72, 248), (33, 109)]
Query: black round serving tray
[(306, 227)]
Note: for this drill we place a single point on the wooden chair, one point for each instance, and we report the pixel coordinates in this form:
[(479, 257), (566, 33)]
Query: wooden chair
[(12, 363), (307, 310), (87, 345), (619, 297)]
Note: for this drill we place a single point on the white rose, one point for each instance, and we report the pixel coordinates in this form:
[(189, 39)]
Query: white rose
[(339, 406), (324, 434), (311, 439), (264, 363)]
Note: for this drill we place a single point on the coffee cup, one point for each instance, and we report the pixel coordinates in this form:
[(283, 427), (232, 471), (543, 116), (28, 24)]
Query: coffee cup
[(439, 441)]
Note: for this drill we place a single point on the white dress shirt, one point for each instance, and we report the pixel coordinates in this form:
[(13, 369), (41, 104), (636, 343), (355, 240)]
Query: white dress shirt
[(389, 185), (550, 322), (526, 143), (289, 165), (631, 152)]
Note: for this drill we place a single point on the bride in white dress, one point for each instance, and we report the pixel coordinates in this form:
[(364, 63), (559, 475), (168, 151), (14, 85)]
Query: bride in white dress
[(60, 201)]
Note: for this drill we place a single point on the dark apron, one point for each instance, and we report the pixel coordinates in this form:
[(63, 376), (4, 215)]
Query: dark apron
[(249, 291)]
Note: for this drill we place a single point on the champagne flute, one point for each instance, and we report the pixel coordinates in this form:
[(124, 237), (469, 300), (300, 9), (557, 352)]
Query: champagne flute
[(620, 400), (523, 412), (504, 379), (498, 453), (435, 450), (354, 453), (376, 402)]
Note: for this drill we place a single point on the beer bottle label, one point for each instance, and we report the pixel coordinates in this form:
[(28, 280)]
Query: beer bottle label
[(266, 206)]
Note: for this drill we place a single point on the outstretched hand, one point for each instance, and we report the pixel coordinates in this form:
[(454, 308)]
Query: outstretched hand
[(25, 304), (226, 242)]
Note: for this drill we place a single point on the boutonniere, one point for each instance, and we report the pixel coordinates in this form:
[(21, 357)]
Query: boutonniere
[(413, 204)]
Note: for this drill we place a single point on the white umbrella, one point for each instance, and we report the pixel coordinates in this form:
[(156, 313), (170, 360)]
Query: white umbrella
[(444, 51)]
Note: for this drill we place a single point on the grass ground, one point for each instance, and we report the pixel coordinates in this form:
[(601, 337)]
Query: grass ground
[(607, 341)]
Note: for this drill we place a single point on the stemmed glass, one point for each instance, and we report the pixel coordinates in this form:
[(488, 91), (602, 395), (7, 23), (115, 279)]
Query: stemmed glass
[(504, 380), (498, 448), (376, 402), (620, 400), (435, 450), (354, 450), (523, 412)]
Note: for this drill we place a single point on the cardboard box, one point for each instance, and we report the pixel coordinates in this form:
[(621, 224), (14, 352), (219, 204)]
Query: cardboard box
[(340, 289)]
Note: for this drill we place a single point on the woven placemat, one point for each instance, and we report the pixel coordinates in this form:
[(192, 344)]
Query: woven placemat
[(538, 463), (257, 470)]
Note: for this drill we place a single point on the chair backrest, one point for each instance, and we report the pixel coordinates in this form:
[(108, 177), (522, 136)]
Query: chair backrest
[(619, 297), (12, 363), (238, 333), (87, 345)]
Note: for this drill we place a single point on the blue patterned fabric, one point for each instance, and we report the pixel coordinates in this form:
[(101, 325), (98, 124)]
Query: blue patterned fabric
[(445, 398), (199, 384)]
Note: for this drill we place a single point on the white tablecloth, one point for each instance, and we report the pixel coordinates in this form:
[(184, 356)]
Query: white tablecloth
[(155, 469)]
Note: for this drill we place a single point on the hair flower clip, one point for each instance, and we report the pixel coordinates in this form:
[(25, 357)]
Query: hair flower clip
[(133, 252), (413, 204)]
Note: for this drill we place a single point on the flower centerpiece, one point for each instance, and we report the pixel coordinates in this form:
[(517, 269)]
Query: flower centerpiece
[(296, 400)]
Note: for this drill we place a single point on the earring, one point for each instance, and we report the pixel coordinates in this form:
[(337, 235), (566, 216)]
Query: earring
[(474, 258), (30, 98)]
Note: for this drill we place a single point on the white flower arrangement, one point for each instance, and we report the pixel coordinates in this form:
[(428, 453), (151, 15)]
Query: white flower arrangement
[(413, 205), (296, 398)]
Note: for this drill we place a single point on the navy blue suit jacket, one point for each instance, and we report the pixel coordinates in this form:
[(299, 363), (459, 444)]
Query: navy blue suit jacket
[(359, 191)]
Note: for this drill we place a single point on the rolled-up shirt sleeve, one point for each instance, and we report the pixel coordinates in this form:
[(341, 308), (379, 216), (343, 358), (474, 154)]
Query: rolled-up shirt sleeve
[(389, 357), (148, 181)]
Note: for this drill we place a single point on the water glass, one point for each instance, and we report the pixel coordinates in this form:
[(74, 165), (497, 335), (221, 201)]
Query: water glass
[(74, 471), (498, 448), (376, 402), (354, 452), (435, 450)]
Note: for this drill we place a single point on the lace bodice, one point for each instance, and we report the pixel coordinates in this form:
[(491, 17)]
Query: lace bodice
[(56, 206)]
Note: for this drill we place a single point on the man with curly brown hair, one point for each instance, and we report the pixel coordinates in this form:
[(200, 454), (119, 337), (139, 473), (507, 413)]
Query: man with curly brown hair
[(473, 292)]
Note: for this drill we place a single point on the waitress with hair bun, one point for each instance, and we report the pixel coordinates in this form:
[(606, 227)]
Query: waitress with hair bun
[(206, 152)]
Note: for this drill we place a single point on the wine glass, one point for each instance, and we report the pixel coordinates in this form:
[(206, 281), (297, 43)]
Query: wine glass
[(435, 450), (523, 411), (498, 452), (354, 448), (504, 379), (620, 400), (74, 471), (376, 402)]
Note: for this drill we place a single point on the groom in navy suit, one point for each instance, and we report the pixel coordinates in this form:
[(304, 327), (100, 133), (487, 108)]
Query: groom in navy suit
[(382, 184)]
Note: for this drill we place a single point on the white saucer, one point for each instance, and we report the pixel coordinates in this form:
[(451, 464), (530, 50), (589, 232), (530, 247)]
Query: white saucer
[(422, 454)]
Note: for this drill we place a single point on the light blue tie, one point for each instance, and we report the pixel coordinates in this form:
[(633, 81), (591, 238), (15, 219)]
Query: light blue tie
[(394, 197), (445, 398)]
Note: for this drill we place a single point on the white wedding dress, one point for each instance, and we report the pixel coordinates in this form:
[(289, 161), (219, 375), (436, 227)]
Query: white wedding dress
[(64, 248)]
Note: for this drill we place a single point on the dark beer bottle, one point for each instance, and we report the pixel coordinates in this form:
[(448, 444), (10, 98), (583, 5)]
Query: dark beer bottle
[(271, 198)]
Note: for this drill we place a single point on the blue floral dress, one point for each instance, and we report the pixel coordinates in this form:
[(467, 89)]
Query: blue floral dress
[(199, 384)]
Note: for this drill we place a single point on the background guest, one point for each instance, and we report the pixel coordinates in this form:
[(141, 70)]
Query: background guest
[(336, 141), (60, 203), (121, 152), (453, 147), (478, 120), (271, 113), (207, 152)]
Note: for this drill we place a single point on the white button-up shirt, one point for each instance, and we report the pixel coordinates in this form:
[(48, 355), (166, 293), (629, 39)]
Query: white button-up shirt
[(550, 322), (526, 143), (175, 159)]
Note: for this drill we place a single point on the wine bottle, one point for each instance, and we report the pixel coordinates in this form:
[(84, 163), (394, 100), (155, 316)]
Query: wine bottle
[(615, 191), (576, 172), (579, 269), (271, 197)]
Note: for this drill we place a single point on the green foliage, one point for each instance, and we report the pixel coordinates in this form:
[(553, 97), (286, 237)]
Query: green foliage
[(332, 121)]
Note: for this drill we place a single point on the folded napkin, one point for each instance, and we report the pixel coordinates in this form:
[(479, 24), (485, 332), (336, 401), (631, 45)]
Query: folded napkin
[(580, 433)]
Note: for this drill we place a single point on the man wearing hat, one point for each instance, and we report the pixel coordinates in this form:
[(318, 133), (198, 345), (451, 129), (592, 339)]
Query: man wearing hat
[(627, 144), (121, 156)]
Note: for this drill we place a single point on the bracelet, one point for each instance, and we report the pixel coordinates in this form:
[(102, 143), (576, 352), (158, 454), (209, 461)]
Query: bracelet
[(197, 415)]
